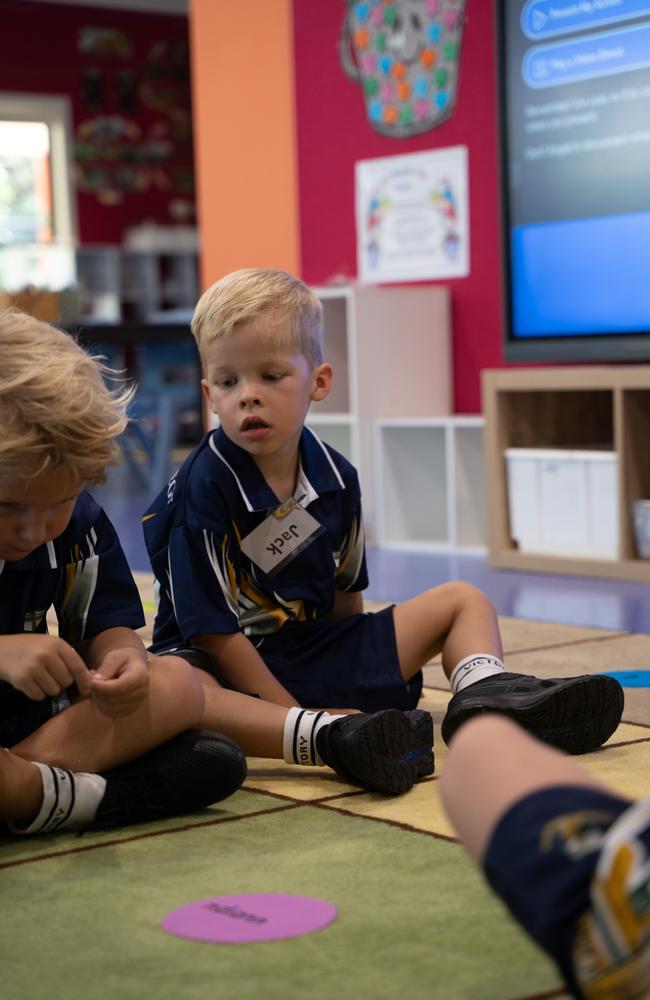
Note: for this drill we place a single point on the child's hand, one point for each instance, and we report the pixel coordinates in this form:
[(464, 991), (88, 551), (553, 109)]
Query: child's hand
[(120, 683), (41, 665)]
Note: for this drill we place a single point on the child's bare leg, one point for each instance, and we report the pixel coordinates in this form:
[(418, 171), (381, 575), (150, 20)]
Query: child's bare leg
[(456, 619), (387, 751), (21, 791), (575, 714), (83, 739), (256, 725), (491, 765)]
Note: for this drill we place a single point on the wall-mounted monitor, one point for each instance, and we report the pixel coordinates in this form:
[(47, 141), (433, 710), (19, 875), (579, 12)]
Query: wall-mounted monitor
[(574, 92)]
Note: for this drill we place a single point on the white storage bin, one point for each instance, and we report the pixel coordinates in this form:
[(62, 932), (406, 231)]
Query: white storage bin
[(563, 502)]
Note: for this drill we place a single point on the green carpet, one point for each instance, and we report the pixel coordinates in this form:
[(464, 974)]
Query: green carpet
[(81, 915)]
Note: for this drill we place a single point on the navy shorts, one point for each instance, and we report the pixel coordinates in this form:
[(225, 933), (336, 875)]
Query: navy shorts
[(351, 663), (20, 716), (541, 859)]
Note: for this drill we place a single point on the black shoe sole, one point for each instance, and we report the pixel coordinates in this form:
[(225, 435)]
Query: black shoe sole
[(391, 751), (194, 770), (577, 715)]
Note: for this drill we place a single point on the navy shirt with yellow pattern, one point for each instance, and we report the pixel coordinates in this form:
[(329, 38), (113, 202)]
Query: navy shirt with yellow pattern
[(194, 529), (83, 575)]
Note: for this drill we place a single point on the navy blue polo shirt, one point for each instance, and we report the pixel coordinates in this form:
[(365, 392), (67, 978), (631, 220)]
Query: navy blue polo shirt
[(195, 527), (83, 574)]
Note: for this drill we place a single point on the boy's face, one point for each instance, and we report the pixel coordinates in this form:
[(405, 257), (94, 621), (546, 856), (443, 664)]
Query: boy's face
[(34, 511), (261, 392)]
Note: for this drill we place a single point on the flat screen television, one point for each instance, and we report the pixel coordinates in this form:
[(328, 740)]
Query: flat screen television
[(574, 101)]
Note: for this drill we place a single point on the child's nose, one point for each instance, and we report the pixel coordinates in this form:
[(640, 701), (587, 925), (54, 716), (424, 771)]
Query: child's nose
[(249, 396)]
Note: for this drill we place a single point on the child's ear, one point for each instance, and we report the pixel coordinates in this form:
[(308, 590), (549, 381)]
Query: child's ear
[(205, 389), (322, 382)]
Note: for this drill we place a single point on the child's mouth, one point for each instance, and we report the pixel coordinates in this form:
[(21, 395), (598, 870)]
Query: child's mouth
[(253, 427)]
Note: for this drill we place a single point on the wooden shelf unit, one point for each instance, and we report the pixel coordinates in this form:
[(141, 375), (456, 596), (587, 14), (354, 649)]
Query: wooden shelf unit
[(573, 408)]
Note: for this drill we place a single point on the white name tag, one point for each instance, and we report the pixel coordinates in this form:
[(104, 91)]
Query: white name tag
[(281, 536)]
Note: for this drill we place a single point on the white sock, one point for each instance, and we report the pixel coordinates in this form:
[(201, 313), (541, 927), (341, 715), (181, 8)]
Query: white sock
[(299, 740), (70, 800), (474, 668)]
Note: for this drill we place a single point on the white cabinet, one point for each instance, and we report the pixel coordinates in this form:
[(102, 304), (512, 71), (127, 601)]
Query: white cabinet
[(429, 483), (391, 353)]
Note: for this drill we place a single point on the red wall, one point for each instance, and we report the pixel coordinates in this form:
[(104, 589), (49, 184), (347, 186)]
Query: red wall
[(39, 54), (333, 132)]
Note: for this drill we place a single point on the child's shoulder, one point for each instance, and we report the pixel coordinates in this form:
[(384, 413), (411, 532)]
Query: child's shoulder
[(195, 485), (320, 455)]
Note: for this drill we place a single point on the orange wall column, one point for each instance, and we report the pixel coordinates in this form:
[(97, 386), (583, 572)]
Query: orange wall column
[(244, 135)]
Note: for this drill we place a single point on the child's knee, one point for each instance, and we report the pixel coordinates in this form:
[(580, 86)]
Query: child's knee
[(175, 679), (467, 595)]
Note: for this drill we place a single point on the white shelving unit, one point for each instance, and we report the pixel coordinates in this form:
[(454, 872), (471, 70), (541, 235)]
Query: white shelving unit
[(121, 283), (391, 353), (429, 484)]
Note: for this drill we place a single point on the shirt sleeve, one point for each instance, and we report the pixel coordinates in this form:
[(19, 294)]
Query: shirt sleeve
[(351, 569), (203, 577), (97, 590)]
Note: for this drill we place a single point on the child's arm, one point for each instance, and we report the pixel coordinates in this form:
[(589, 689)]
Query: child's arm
[(119, 679), (346, 603), (243, 667), (40, 665)]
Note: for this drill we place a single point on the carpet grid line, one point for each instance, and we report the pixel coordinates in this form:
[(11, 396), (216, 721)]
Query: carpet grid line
[(397, 824), (149, 835), (381, 945)]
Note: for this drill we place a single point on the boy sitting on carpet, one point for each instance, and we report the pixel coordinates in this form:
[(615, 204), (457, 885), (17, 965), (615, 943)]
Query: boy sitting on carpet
[(58, 549), (569, 856), (257, 545)]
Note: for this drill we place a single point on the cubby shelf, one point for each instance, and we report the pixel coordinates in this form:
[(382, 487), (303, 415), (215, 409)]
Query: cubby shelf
[(429, 484), (390, 349), (573, 407)]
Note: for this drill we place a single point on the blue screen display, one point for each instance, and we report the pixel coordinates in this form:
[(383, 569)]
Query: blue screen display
[(576, 141)]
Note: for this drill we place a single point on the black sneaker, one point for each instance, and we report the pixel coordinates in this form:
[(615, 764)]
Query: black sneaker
[(574, 714), (387, 751), (188, 773)]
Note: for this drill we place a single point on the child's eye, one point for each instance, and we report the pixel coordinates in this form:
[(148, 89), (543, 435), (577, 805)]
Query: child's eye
[(226, 383), (272, 376)]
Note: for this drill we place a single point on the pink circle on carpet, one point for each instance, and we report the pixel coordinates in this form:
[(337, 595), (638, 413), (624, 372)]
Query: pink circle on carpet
[(256, 917)]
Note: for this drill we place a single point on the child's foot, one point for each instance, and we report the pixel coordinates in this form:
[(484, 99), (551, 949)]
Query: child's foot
[(387, 751), (611, 951), (190, 772), (575, 714)]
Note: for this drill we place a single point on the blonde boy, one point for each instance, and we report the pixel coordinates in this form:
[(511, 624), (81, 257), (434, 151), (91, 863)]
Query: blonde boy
[(257, 544), (89, 698)]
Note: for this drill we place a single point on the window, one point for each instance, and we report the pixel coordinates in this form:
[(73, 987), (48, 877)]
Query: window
[(36, 204)]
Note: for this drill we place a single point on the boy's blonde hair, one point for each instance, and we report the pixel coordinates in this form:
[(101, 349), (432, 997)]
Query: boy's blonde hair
[(56, 411), (293, 313)]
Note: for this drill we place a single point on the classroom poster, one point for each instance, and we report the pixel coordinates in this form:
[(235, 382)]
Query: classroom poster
[(412, 216)]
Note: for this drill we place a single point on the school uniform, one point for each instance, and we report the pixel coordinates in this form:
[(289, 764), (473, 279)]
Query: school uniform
[(229, 558), (570, 862), (84, 576)]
